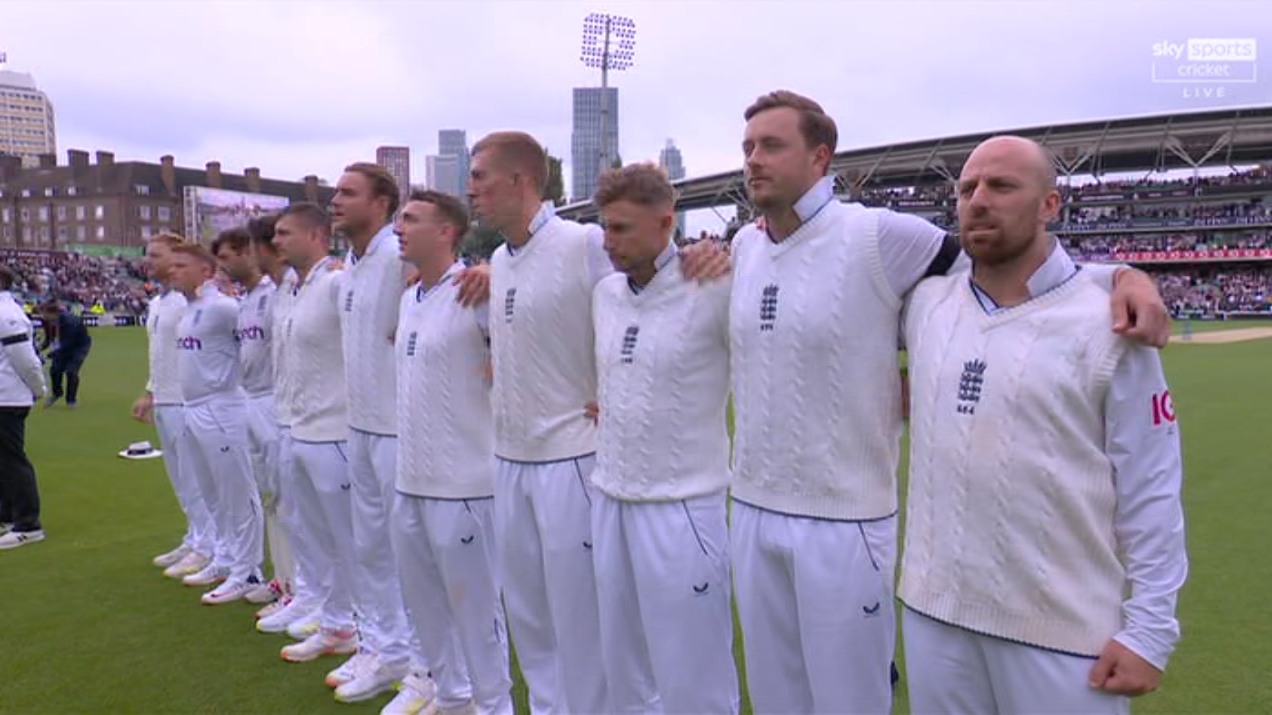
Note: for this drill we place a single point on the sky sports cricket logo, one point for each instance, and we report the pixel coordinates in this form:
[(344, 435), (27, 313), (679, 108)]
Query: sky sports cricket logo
[(1204, 68)]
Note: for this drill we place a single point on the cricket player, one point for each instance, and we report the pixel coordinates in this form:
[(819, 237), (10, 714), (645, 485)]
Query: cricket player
[(443, 518), (298, 612), (543, 349), (1044, 546), (214, 446), (366, 200), (659, 518), (315, 379), (161, 404), (233, 251), (814, 319), (544, 375)]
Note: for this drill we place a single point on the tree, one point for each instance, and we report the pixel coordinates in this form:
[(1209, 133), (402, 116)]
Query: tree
[(480, 241), (554, 191)]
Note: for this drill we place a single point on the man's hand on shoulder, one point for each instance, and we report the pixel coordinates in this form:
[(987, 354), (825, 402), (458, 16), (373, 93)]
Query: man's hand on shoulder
[(474, 285), (704, 261), (1139, 313)]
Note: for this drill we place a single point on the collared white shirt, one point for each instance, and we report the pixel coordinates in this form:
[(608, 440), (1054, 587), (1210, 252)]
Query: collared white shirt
[(541, 218), (660, 263)]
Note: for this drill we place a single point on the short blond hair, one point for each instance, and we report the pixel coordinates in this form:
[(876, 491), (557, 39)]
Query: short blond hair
[(519, 151), (645, 184), (197, 251), (167, 238)]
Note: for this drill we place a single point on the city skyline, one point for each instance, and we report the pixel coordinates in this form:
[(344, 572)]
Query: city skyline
[(888, 72)]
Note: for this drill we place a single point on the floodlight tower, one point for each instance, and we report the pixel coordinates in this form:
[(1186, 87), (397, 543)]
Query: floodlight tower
[(609, 43)]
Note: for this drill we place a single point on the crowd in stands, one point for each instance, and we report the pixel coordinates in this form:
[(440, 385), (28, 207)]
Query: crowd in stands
[(1215, 290), (1127, 216), (98, 284), (1102, 246), (896, 197)]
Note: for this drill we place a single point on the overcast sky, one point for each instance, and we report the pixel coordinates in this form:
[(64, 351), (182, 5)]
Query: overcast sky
[(305, 87)]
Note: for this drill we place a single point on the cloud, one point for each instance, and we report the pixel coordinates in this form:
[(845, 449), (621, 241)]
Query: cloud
[(305, 87)]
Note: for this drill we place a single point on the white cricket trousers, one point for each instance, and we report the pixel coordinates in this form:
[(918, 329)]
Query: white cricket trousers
[(543, 530), (217, 452), (815, 598), (376, 592), (303, 585), (662, 578), (324, 505), (200, 532), (952, 670), (263, 441), (446, 558)]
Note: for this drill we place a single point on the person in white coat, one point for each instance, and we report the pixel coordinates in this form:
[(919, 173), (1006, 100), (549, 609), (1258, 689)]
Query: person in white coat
[(21, 383)]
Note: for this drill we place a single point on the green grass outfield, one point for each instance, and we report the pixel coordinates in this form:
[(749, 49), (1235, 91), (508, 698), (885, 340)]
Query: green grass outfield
[(87, 625)]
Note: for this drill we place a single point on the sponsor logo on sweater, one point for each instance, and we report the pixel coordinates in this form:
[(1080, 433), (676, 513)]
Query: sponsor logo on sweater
[(254, 332), (189, 342), (969, 386)]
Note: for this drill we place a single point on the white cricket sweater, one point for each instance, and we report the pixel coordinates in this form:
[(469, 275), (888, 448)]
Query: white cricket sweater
[(816, 382), (445, 425), (314, 360), (1010, 516), (254, 330), (543, 347), (663, 361), (162, 318), (372, 288), (208, 361), (280, 311)]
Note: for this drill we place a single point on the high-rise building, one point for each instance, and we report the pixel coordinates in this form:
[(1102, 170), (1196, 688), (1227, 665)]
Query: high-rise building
[(454, 142), (671, 160), (26, 119), (442, 173), (585, 142), (397, 160)]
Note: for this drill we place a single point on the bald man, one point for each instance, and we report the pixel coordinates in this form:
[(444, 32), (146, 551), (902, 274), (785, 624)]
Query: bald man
[(1044, 544)]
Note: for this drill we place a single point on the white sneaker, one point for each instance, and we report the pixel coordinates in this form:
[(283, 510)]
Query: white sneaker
[(14, 539), (279, 621), (271, 608), (303, 628), (172, 557), (417, 695), (211, 574), (351, 669), (320, 644), (265, 593), (230, 591), (192, 562), (371, 682)]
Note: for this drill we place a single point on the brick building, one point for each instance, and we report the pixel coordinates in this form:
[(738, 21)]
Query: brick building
[(103, 204)]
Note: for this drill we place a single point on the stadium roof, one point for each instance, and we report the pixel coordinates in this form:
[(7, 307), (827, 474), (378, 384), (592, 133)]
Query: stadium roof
[(1150, 143)]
